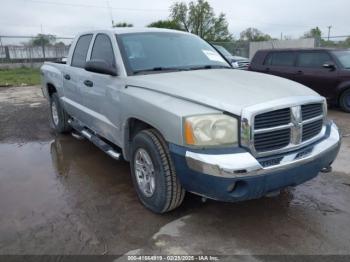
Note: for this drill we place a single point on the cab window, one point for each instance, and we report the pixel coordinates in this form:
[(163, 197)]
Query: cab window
[(280, 59), (80, 51), (103, 50), (313, 59)]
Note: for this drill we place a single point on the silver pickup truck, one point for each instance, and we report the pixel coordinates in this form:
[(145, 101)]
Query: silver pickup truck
[(171, 105)]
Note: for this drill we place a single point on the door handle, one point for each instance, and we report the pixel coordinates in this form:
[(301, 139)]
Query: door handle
[(300, 72), (66, 76), (267, 69), (88, 83)]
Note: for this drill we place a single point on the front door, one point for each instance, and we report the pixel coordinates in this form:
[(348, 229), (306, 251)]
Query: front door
[(101, 91)]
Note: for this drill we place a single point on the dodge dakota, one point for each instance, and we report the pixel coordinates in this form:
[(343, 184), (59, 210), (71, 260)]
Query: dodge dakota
[(171, 105)]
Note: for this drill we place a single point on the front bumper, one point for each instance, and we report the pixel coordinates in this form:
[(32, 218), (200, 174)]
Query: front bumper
[(236, 176)]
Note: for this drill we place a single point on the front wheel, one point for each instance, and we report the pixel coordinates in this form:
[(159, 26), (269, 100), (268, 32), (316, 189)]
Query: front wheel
[(344, 101), (153, 173)]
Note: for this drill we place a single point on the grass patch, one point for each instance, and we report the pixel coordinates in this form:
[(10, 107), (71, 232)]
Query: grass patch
[(19, 77)]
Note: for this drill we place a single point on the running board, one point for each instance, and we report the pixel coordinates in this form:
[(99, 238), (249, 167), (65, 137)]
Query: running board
[(97, 141)]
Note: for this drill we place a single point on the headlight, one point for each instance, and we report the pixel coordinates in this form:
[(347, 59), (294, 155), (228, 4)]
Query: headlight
[(210, 130)]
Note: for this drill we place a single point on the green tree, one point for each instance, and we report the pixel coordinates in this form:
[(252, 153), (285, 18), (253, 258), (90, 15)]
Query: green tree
[(254, 35), (43, 40), (314, 33), (169, 24), (123, 24), (199, 18)]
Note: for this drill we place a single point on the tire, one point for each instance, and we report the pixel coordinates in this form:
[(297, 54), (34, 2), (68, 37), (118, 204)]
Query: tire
[(165, 192), (59, 117), (344, 101)]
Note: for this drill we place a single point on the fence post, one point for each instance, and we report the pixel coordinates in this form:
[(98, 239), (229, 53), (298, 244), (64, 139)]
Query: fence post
[(43, 47), (7, 53)]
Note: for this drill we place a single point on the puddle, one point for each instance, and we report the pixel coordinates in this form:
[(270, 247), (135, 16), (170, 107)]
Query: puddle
[(68, 197)]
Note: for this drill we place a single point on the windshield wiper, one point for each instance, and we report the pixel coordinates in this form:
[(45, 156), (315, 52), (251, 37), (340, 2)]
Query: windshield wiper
[(209, 67), (155, 69)]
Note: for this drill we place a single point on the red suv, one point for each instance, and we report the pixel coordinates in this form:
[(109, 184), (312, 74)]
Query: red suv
[(327, 71)]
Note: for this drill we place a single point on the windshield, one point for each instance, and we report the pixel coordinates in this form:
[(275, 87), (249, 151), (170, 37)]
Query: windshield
[(154, 52), (343, 57)]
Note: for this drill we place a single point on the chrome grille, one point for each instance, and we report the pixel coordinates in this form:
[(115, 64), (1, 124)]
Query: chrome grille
[(273, 118), (272, 140), (312, 129), (311, 110), (243, 64), (286, 128)]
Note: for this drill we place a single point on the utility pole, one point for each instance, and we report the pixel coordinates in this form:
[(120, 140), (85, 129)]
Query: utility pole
[(109, 9), (329, 31)]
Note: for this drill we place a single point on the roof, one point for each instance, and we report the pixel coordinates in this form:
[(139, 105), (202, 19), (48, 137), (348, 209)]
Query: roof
[(129, 30), (303, 49)]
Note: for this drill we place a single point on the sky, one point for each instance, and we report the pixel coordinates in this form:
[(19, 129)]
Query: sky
[(68, 17)]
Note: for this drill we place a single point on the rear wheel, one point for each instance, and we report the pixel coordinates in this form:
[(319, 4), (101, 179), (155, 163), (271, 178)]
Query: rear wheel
[(59, 117), (344, 100), (153, 173)]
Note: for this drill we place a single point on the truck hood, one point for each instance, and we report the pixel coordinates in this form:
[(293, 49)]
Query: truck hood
[(225, 89)]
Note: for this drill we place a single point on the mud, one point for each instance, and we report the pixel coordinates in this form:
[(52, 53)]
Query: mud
[(59, 195)]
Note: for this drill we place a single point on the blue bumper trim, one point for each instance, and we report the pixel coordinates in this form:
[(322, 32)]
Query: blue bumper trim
[(250, 187)]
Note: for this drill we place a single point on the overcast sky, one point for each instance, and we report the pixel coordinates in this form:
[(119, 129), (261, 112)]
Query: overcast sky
[(68, 17)]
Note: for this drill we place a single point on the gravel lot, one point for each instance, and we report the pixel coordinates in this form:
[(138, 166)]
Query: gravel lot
[(59, 195)]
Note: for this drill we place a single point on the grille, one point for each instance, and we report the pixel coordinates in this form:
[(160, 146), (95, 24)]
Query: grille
[(243, 65), (286, 128), (273, 118), (311, 129), (272, 140), (311, 111)]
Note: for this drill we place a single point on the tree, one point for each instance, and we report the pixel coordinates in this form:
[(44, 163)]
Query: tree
[(123, 24), (199, 18), (43, 40), (254, 35), (169, 24), (314, 33)]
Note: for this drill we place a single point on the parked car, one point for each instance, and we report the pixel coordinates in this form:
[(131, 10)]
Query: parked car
[(327, 71), (171, 105), (237, 62)]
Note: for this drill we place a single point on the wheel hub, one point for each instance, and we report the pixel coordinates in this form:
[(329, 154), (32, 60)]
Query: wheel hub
[(144, 171)]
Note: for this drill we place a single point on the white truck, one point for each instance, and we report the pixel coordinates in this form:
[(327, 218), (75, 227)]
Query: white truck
[(170, 104)]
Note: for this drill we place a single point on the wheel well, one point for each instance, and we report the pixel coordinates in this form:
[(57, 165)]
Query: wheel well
[(134, 126), (51, 89)]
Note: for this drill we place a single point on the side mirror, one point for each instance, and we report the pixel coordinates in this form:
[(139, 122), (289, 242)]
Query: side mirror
[(329, 65), (101, 67)]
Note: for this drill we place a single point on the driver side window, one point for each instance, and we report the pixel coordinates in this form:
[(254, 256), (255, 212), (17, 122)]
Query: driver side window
[(103, 50)]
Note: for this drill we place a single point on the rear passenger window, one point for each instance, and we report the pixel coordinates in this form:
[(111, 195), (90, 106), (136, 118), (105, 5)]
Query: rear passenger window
[(280, 59), (80, 51), (313, 59), (103, 50)]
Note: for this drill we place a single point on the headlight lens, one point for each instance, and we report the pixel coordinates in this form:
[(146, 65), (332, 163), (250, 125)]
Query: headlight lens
[(210, 130)]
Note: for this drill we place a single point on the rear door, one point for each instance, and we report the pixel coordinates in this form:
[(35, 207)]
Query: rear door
[(72, 78), (101, 91), (280, 63), (310, 72)]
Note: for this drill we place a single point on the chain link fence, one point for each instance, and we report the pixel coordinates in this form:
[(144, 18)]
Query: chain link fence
[(237, 48), (27, 51)]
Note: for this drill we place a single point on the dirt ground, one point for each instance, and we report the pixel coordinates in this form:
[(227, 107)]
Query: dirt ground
[(60, 195)]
